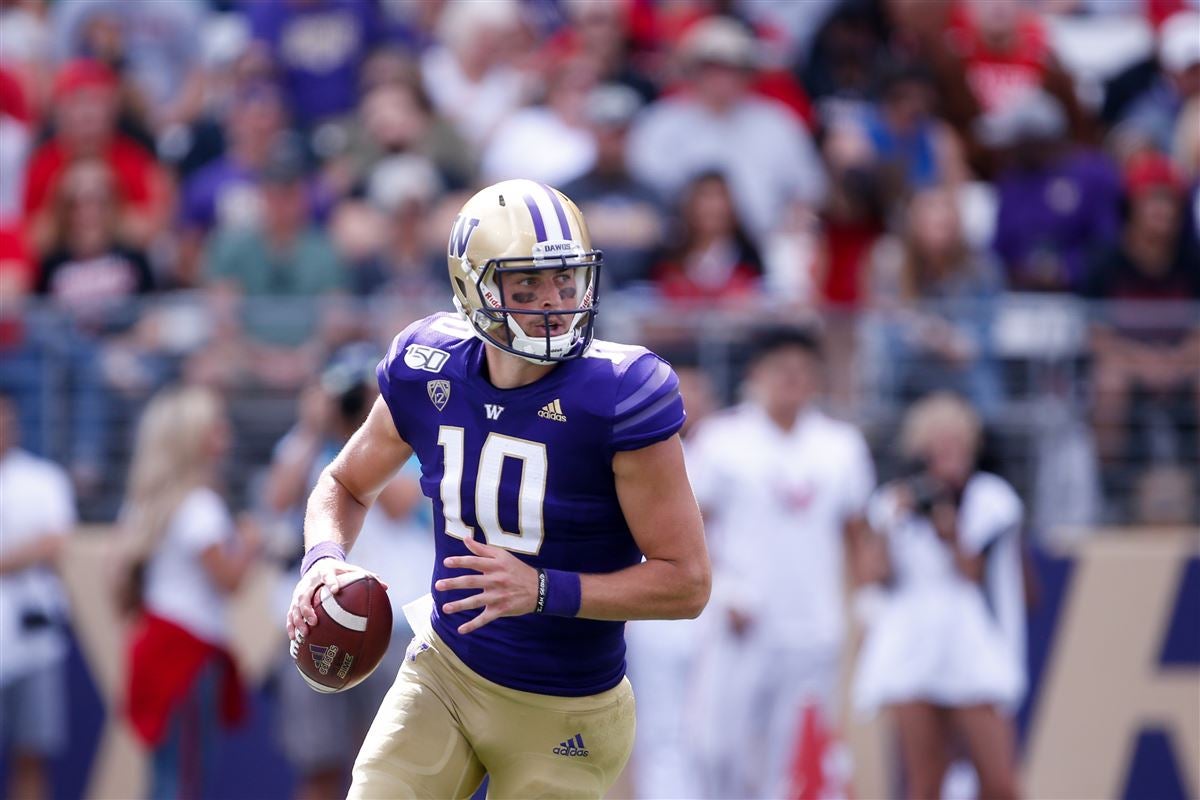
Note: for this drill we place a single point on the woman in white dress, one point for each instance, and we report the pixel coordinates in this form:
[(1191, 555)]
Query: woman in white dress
[(944, 651)]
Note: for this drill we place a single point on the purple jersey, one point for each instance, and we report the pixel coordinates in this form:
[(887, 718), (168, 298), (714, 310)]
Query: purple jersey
[(528, 469)]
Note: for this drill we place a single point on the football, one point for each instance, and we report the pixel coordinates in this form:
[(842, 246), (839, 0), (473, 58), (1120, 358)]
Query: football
[(350, 638)]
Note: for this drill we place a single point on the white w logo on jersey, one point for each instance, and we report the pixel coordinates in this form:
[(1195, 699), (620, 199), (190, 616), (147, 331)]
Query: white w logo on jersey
[(492, 411)]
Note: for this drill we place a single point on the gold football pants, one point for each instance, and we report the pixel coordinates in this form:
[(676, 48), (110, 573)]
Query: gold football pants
[(442, 727)]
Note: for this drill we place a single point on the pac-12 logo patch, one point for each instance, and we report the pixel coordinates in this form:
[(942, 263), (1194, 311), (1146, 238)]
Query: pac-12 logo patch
[(439, 393)]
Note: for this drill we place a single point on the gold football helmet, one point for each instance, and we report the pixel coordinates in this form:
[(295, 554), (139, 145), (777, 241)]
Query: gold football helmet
[(522, 226)]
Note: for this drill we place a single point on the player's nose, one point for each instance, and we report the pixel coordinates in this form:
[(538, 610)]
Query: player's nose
[(549, 296)]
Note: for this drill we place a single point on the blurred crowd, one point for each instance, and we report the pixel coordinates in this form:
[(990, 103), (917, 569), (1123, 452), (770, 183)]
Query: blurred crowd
[(896, 168), (996, 198)]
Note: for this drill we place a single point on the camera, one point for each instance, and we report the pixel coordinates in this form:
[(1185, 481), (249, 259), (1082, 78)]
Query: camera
[(926, 490)]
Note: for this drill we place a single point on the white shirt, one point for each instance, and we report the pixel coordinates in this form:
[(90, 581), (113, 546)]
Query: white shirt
[(35, 500), (475, 108), (178, 587), (762, 149), (776, 503), (535, 143)]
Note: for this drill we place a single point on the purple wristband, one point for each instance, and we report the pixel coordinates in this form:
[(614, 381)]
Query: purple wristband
[(558, 593), (321, 550)]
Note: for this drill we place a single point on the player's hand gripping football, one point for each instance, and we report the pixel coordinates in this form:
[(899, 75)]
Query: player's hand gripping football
[(509, 585), (326, 572)]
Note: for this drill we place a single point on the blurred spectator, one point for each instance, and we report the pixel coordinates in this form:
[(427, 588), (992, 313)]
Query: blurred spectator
[(228, 66), (396, 543), (1145, 354), (787, 33), (18, 277), (847, 56), (22, 362), (37, 512), (287, 258), (184, 557), (225, 192), (470, 76), (412, 265), (94, 280), (412, 25), (1006, 55), (85, 127), (945, 645), (396, 117), (851, 224), (1055, 203), (359, 233), (783, 488), (715, 123), (25, 49), (937, 298), (912, 148), (154, 44), (16, 140), (550, 143), (915, 32), (853, 219), (317, 47), (624, 216), (1148, 116), (598, 31), (388, 243), (712, 258), (89, 272)]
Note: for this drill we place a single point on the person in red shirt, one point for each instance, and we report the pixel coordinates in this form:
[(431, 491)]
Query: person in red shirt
[(715, 260), (85, 117)]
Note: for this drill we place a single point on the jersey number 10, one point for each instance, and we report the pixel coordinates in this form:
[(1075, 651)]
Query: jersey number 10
[(531, 494)]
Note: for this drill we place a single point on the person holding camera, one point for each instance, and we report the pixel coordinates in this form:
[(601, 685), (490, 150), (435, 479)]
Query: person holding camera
[(944, 645)]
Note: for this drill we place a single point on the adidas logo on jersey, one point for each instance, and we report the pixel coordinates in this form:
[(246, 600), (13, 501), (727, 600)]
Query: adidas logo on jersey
[(572, 747), (553, 410)]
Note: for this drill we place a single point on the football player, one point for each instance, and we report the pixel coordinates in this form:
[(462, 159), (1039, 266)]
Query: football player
[(554, 466)]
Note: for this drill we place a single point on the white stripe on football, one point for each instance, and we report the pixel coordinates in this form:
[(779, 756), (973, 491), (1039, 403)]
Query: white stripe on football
[(340, 615)]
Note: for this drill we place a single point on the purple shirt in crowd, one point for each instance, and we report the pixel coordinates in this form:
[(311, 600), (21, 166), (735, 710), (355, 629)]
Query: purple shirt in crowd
[(530, 469), (1049, 221), (318, 45), (219, 192)]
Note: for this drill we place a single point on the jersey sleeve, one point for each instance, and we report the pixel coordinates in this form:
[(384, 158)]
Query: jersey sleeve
[(648, 407), (389, 387)]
